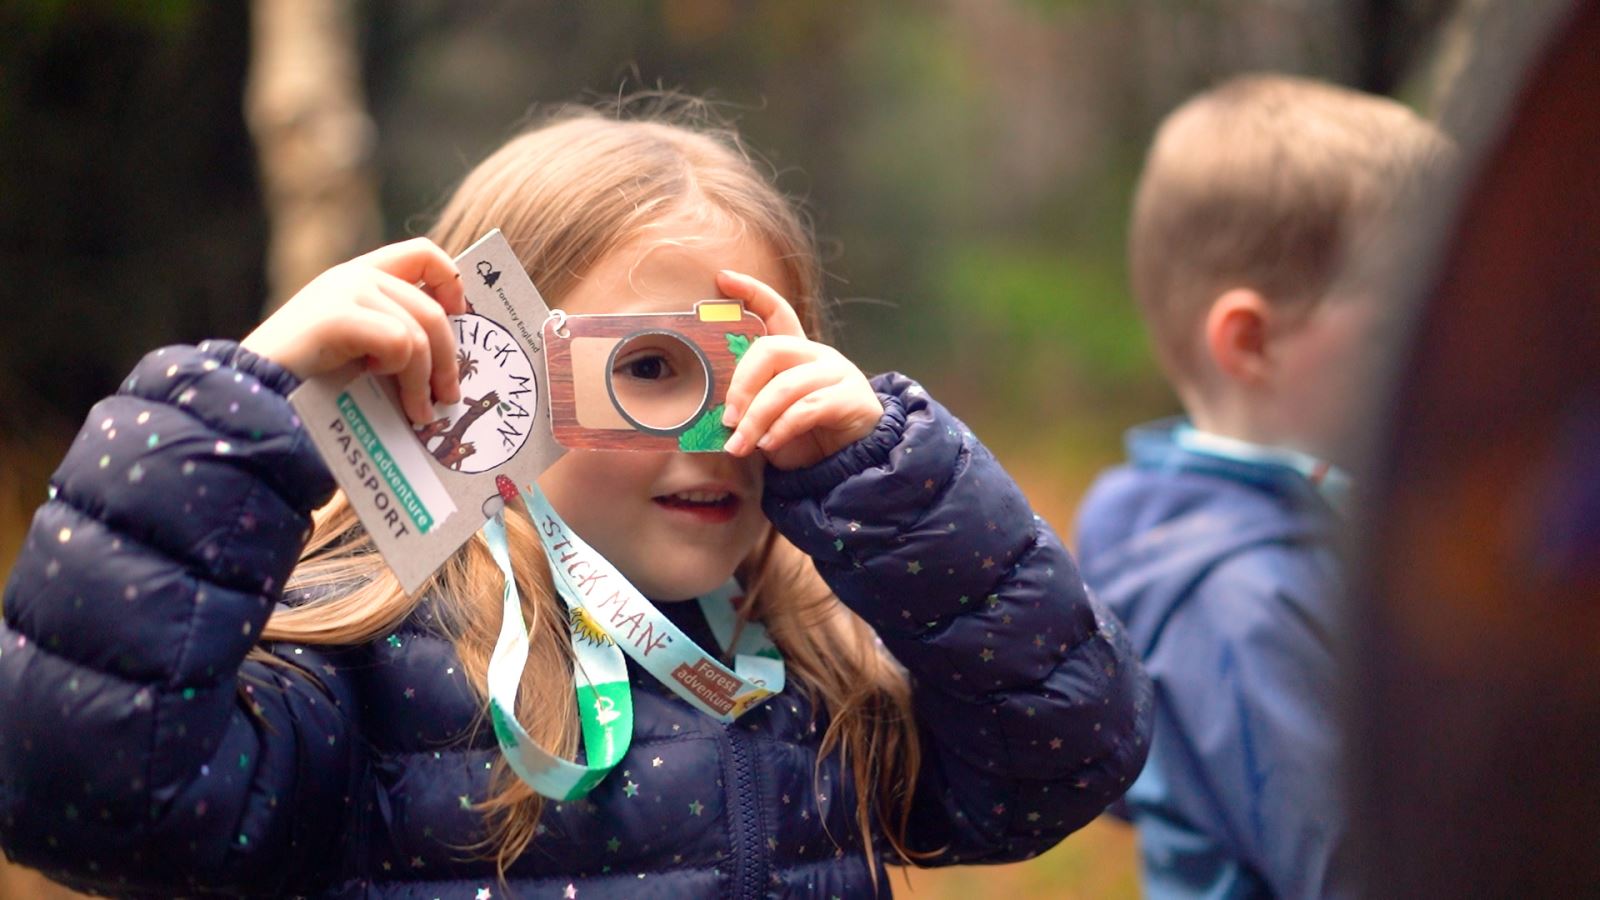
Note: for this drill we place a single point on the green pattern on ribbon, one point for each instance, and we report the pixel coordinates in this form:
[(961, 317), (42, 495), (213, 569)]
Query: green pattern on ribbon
[(502, 728)]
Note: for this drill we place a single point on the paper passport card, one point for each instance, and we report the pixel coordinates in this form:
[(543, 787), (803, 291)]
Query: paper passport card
[(422, 490)]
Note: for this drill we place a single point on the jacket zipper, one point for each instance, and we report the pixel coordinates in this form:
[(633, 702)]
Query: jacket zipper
[(751, 863)]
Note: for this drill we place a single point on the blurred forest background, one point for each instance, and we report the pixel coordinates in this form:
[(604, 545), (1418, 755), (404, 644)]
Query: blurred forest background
[(968, 164)]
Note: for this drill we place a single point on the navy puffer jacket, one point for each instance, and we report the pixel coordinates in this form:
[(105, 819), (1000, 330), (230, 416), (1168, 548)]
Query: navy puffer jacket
[(140, 755)]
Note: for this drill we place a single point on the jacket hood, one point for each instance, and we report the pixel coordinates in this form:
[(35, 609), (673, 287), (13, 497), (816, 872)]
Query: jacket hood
[(1149, 530)]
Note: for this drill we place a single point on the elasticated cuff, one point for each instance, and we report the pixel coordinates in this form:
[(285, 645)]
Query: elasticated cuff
[(269, 373), (869, 452)]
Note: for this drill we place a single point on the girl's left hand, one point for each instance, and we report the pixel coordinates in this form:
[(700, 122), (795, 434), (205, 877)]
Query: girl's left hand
[(794, 399)]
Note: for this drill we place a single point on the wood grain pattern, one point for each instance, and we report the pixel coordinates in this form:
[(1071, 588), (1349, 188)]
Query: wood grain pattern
[(711, 337)]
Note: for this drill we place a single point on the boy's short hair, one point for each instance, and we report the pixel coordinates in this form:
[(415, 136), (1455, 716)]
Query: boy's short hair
[(1263, 182)]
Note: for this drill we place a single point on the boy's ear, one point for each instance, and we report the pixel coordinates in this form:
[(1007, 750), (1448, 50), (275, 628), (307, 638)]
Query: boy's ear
[(1236, 334)]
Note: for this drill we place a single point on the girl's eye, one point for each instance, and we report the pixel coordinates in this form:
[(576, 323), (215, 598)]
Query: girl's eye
[(646, 368)]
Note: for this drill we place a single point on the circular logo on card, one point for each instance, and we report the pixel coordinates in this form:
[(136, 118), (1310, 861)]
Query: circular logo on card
[(499, 400)]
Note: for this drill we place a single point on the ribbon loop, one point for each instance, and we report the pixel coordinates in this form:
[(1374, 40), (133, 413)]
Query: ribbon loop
[(605, 700)]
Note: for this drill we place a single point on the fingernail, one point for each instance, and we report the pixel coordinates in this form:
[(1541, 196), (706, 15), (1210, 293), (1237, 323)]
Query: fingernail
[(736, 444), (730, 416), (765, 442)]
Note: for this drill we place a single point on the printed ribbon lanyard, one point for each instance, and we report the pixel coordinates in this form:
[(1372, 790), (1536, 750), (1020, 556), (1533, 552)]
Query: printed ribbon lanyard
[(605, 700), (610, 605), (609, 613)]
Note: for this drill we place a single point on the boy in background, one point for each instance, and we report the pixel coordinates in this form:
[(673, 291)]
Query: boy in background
[(1215, 543)]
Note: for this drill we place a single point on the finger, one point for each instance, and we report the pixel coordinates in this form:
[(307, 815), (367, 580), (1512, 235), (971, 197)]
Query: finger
[(445, 381), (364, 333), (777, 395), (420, 261), (836, 407), (761, 299), (766, 357), (412, 374)]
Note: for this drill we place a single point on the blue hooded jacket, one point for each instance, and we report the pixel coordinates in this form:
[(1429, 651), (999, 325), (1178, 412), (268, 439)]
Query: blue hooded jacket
[(1223, 572), (141, 755)]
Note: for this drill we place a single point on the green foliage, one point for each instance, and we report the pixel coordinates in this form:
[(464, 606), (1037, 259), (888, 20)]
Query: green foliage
[(1043, 304), (914, 129), (738, 345), (1057, 7), (706, 435), (156, 14)]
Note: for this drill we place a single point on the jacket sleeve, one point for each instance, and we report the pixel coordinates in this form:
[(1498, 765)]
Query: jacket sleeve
[(1247, 686), (138, 753), (1033, 712)]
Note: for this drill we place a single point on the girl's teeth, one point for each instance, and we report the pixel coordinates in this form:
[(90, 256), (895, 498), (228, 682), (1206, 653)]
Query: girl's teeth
[(699, 496)]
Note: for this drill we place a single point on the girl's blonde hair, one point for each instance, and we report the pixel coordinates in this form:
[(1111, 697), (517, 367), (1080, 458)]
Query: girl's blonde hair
[(566, 194)]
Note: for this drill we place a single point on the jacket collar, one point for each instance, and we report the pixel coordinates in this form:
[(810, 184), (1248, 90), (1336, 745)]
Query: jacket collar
[(1175, 445)]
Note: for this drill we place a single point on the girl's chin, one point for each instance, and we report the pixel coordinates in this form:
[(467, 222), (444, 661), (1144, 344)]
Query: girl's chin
[(674, 587), (668, 569)]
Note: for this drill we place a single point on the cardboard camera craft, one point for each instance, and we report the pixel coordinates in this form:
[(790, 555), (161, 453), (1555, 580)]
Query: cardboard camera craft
[(647, 382), (652, 381)]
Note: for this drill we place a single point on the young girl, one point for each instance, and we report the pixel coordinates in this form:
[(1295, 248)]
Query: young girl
[(200, 692)]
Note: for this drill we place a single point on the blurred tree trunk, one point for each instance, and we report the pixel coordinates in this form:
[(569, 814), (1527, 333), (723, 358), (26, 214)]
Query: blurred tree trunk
[(1459, 42), (314, 139), (1391, 36)]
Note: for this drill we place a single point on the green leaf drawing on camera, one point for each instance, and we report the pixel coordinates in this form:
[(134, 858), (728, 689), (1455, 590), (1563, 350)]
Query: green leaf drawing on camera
[(707, 434)]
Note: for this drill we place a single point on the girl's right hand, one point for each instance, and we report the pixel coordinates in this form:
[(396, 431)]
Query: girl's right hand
[(372, 308)]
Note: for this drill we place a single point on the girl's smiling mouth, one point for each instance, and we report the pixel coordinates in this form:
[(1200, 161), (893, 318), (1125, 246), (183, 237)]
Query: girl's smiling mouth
[(710, 505)]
